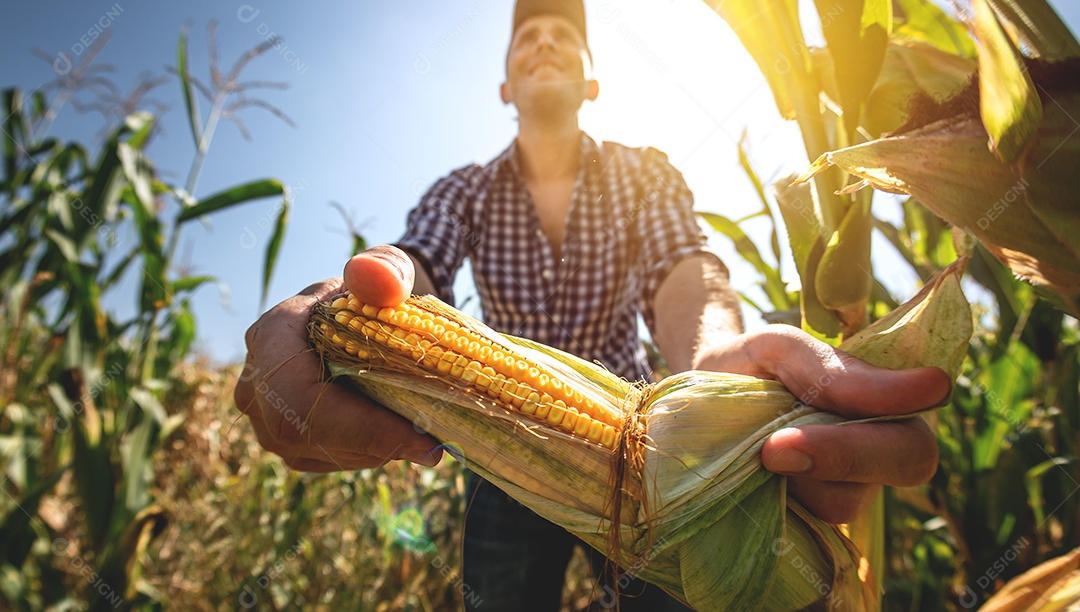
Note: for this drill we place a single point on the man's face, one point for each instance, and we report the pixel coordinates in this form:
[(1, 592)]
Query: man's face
[(545, 66)]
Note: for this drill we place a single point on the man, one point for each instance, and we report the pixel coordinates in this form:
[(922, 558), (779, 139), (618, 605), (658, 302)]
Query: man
[(569, 241)]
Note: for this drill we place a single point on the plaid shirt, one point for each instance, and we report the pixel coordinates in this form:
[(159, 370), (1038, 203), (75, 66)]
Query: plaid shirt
[(629, 222)]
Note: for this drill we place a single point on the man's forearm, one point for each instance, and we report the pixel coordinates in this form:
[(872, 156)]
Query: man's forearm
[(695, 308)]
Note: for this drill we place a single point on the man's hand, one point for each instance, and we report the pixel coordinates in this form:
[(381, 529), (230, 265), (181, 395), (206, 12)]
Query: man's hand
[(315, 425), (837, 470)]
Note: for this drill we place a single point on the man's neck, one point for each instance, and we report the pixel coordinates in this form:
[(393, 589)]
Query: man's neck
[(548, 151)]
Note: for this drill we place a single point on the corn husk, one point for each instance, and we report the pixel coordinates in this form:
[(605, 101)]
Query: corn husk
[(682, 501), (1053, 586)]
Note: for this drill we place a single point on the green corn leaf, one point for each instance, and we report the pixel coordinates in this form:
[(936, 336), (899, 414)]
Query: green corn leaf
[(759, 189), (190, 283), (185, 87), (14, 132), (771, 282), (240, 194), (17, 535), (272, 249), (103, 194), (136, 453), (139, 174), (65, 245), (1033, 484)]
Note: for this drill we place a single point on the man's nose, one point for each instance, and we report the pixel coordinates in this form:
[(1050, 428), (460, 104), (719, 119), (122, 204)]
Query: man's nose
[(545, 39)]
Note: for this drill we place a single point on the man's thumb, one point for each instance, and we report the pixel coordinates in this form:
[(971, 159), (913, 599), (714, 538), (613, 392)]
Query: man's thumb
[(380, 276)]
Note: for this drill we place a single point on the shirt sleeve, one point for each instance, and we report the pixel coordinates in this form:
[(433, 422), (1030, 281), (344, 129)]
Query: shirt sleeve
[(433, 236), (668, 228)]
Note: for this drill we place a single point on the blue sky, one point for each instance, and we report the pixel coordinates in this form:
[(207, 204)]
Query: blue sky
[(389, 96)]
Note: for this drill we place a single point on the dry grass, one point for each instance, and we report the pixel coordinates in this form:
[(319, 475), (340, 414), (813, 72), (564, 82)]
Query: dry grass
[(245, 530)]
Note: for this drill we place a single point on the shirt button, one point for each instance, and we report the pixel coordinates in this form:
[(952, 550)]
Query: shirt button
[(539, 233), (547, 273)]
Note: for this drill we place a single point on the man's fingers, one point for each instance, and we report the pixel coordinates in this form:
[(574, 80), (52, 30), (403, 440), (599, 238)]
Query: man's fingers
[(831, 379), (342, 421), (381, 276), (832, 502), (897, 453)]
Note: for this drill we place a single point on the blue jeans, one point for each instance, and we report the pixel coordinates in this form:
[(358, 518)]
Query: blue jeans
[(515, 560)]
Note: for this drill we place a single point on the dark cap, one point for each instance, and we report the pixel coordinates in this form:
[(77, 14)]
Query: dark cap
[(572, 10)]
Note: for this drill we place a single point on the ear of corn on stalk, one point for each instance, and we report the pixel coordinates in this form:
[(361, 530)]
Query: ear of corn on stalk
[(665, 479), (1024, 212)]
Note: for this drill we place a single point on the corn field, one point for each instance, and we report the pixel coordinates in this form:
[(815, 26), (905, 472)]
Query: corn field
[(131, 482)]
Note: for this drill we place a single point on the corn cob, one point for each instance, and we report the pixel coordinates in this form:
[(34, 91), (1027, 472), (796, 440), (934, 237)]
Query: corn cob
[(475, 361), (678, 475)]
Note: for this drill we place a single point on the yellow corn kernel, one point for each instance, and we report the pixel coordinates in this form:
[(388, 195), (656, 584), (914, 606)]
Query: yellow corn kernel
[(446, 362), (523, 391), (584, 423), (484, 379), (433, 356), (530, 403), (352, 347), (458, 368), (543, 407), (557, 412), (608, 437), (570, 419), (472, 371), (509, 389), (495, 388), (461, 344)]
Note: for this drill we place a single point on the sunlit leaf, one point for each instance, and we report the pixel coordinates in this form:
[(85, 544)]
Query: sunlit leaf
[(857, 32), (922, 20), (1009, 104), (1040, 27)]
